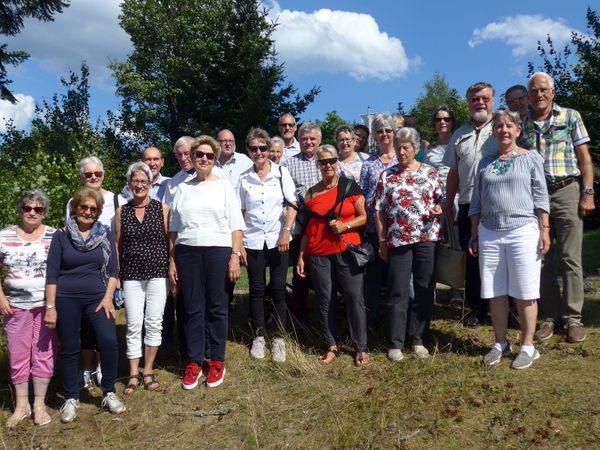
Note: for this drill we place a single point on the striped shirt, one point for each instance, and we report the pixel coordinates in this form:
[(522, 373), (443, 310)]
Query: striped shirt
[(508, 201), (304, 172), (556, 139)]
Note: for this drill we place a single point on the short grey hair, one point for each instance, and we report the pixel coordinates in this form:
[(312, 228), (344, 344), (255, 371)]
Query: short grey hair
[(31, 196), (138, 166), (325, 148), (183, 140), (512, 116), (307, 127), (478, 87), (408, 134), (344, 129), (277, 141), (90, 160), (259, 134), (383, 120), (541, 74)]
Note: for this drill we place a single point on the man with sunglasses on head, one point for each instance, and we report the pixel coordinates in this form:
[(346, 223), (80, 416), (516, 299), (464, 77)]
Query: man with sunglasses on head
[(287, 128), (155, 161), (467, 146)]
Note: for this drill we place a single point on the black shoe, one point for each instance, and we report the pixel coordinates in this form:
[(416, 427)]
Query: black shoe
[(473, 321)]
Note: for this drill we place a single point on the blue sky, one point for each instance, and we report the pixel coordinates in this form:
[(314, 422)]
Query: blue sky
[(361, 53)]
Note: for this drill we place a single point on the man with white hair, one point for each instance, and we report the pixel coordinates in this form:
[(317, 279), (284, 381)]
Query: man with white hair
[(561, 138), (467, 146), (287, 129)]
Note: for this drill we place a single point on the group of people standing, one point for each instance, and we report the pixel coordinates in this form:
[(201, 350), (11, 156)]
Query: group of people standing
[(185, 239)]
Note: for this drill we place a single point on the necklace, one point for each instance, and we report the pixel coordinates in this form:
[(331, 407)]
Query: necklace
[(331, 186), (501, 166), (143, 205)]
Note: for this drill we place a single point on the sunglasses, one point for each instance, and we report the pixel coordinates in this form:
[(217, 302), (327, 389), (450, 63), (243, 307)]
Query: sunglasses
[(255, 148), (28, 209), (443, 119), (330, 161), (199, 154), (287, 125), (85, 208), (93, 174)]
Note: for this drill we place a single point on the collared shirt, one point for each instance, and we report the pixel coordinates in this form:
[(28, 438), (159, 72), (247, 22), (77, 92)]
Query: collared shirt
[(304, 172), (556, 139), (181, 177), (290, 150), (157, 191), (263, 206), (234, 167), (369, 177), (467, 146)]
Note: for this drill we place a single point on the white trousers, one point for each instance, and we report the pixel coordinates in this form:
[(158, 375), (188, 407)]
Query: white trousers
[(144, 305)]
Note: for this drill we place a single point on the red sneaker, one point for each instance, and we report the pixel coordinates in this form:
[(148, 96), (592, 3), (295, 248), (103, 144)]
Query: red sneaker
[(192, 373), (216, 373)]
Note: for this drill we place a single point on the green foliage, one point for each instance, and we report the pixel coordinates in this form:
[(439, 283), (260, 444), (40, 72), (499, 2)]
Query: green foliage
[(199, 66), (329, 125), (437, 92)]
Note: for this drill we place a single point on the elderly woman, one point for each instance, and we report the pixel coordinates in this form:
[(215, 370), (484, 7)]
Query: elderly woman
[(263, 191), (383, 126), (141, 237), (276, 149), (337, 208), (31, 345), (205, 247), (350, 162), (81, 279), (408, 202), (510, 232)]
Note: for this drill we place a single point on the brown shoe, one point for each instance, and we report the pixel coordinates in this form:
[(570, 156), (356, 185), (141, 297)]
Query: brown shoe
[(545, 332), (575, 332)]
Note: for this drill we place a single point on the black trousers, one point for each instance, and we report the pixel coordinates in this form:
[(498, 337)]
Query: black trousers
[(472, 278)]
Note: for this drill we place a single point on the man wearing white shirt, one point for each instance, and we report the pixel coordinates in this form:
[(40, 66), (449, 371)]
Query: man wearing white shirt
[(232, 163), (155, 161), (287, 128)]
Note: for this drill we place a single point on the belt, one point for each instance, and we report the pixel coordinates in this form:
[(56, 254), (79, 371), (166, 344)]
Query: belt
[(553, 187)]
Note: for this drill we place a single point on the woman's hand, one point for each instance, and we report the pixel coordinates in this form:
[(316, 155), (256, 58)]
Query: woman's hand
[(544, 241), (300, 266), (283, 244), (50, 318), (338, 227), (383, 251), (234, 268), (437, 210), (5, 307), (243, 257), (173, 278), (474, 246), (107, 305)]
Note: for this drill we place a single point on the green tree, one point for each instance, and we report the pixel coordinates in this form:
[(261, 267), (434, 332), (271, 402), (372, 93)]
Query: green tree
[(12, 14), (437, 92), (201, 65), (329, 125)]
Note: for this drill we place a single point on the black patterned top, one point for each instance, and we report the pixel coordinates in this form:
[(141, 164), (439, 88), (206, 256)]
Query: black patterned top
[(144, 254)]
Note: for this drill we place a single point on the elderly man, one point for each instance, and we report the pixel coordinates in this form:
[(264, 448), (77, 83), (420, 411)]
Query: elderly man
[(231, 162), (467, 146), (154, 159), (561, 138), (304, 172), (517, 100), (287, 129)]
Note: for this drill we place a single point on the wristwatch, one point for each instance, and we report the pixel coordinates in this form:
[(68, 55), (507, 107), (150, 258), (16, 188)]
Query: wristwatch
[(588, 191), (348, 227), (238, 253), (288, 229)]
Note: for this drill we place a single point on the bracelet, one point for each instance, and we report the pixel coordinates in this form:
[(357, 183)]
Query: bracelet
[(545, 226), (50, 306)]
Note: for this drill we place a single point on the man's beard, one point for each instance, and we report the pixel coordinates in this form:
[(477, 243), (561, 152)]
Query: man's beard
[(480, 116)]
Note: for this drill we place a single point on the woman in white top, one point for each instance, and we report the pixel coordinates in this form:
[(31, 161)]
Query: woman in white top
[(349, 161), (205, 244), (263, 191)]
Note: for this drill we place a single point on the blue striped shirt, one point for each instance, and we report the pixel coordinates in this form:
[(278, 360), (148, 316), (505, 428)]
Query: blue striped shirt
[(509, 201)]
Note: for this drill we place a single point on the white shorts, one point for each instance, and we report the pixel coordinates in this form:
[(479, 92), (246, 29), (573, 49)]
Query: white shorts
[(510, 263)]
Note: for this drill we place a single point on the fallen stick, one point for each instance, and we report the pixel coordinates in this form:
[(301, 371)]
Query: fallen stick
[(215, 412)]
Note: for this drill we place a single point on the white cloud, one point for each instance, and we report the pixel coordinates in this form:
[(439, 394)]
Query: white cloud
[(522, 32), (20, 113), (337, 42), (87, 30)]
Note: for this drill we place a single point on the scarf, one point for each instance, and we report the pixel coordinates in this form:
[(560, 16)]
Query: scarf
[(98, 237)]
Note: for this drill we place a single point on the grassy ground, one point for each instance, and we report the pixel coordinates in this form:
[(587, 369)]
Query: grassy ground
[(591, 251), (448, 401)]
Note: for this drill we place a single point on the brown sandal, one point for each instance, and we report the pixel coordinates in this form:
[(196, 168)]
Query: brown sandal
[(151, 385), (361, 359), (325, 359), (131, 387)]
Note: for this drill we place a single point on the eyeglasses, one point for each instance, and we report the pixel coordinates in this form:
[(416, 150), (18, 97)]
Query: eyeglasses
[(536, 91), (96, 174), (478, 99), (28, 209), (85, 208), (385, 130), (287, 125), (330, 161), (443, 119), (143, 183), (255, 148), (226, 141), (345, 140), (182, 155), (199, 154)]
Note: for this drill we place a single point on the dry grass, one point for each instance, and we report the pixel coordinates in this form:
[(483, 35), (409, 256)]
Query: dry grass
[(447, 401)]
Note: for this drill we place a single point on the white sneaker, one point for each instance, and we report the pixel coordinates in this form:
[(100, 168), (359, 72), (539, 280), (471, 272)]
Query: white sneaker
[(258, 348), (421, 351), (86, 374), (98, 376), (395, 354), (278, 350), (112, 402), (68, 410)]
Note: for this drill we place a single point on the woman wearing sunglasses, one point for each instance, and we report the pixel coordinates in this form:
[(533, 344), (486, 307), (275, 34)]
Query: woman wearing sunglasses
[(205, 247), (263, 190), (81, 279), (31, 345), (337, 211)]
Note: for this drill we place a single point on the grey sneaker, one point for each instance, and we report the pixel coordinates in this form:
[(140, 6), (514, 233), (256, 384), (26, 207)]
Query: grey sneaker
[(395, 354), (68, 410), (494, 356), (258, 348), (278, 350), (524, 361), (86, 374), (421, 351), (112, 402), (98, 376)]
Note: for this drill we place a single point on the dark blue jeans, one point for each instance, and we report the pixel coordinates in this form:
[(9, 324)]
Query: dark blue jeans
[(202, 275), (69, 311)]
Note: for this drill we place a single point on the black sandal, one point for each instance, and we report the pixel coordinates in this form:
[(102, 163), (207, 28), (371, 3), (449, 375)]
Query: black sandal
[(131, 387), (323, 359), (152, 385)]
